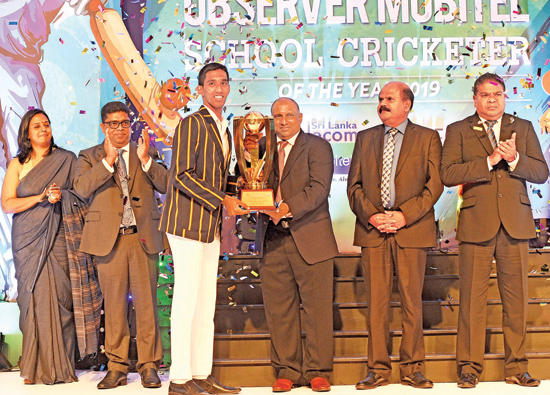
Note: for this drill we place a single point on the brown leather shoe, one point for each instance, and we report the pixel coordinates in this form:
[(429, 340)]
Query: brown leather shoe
[(112, 379), (212, 386), (417, 380), (524, 379), (372, 381), (467, 380), (150, 378), (282, 385), (188, 388), (320, 384)]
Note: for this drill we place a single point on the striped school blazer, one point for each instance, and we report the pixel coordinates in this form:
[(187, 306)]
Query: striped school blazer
[(198, 178)]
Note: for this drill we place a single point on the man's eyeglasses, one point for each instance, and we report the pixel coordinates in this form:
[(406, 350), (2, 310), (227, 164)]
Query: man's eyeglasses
[(116, 124)]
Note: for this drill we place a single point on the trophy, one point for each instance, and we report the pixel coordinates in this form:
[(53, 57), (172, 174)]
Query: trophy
[(254, 172)]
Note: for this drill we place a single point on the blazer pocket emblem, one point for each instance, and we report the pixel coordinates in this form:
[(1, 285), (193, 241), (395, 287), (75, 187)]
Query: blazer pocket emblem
[(524, 199), (468, 202), (93, 216)]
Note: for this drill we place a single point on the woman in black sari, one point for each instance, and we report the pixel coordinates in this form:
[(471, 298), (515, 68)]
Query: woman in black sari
[(32, 192)]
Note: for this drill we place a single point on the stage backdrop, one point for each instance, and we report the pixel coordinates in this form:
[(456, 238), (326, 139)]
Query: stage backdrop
[(331, 56)]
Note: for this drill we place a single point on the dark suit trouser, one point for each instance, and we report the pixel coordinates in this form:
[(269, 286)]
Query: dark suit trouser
[(129, 267), (286, 280), (410, 266), (475, 262)]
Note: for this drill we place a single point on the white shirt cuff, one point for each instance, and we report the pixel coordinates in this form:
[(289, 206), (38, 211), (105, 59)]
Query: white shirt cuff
[(108, 166), (512, 165), (489, 164), (147, 165)]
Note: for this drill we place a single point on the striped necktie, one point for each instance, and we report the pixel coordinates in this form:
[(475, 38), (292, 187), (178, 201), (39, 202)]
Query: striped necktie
[(123, 176), (387, 162), (491, 133)]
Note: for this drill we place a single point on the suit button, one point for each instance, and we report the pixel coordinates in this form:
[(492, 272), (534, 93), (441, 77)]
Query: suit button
[(121, 195), (499, 176), (379, 203), (379, 185), (500, 195), (120, 214)]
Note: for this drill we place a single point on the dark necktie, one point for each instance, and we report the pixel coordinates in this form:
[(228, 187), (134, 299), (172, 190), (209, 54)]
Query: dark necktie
[(387, 163), (123, 176), (491, 133)]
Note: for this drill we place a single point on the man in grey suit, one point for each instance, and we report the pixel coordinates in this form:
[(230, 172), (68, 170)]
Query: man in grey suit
[(393, 184), (492, 155), (297, 265), (119, 179)]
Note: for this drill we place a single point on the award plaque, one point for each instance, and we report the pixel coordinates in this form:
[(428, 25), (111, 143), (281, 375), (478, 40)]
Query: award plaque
[(255, 170)]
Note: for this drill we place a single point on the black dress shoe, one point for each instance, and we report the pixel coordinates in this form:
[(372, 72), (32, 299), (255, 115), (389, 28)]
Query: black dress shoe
[(417, 380), (524, 379), (467, 380), (150, 378), (189, 388), (212, 386), (372, 381), (112, 379)]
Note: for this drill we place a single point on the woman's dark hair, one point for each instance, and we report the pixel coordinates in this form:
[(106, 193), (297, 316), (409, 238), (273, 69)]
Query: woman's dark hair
[(23, 140)]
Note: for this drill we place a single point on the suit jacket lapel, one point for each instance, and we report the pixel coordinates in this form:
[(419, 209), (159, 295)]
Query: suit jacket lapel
[(479, 130), (213, 132), (133, 165), (100, 154), (506, 127), (378, 147), (295, 152), (408, 143)]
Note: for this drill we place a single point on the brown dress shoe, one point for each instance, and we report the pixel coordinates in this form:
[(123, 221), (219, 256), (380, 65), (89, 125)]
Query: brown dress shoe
[(372, 381), (112, 379), (188, 388), (282, 385), (524, 379), (467, 380), (212, 386), (417, 380), (150, 378), (319, 384)]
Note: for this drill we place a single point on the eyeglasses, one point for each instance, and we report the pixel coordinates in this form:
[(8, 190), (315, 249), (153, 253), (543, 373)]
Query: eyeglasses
[(116, 124)]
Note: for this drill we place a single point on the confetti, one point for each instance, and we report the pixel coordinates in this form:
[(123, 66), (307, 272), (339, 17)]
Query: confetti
[(429, 28), (365, 122)]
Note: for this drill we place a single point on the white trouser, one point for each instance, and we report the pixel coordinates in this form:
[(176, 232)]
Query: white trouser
[(193, 306)]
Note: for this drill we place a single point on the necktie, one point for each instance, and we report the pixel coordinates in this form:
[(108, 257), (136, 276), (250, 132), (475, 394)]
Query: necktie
[(491, 132), (123, 176), (281, 157), (387, 161)]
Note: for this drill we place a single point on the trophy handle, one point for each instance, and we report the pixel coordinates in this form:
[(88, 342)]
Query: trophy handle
[(238, 127), (270, 145)]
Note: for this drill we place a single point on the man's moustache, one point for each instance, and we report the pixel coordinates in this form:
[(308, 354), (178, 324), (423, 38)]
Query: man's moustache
[(383, 109)]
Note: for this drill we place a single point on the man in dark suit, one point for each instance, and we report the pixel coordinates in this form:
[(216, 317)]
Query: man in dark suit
[(191, 218), (493, 155), (393, 184), (120, 179), (297, 264)]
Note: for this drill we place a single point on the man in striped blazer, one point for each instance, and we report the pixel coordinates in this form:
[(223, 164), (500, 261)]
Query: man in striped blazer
[(191, 219)]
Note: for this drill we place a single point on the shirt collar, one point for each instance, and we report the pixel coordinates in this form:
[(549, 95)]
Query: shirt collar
[(223, 122), (483, 120), (291, 140), (401, 127)]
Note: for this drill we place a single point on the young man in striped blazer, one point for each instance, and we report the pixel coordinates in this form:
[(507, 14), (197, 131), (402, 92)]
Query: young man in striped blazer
[(191, 219)]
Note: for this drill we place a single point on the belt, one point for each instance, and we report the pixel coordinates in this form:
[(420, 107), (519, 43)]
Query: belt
[(130, 230)]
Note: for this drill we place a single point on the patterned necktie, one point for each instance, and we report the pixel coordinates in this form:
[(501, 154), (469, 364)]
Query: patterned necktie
[(491, 133), (281, 156), (123, 176), (387, 162)]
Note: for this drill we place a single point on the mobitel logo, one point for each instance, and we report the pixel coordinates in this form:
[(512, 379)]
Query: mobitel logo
[(333, 131)]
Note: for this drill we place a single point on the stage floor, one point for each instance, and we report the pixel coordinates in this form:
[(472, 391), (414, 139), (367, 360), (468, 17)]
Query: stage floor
[(12, 384)]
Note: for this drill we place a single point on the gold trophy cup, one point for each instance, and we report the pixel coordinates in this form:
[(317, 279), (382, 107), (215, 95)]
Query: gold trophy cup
[(254, 172)]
